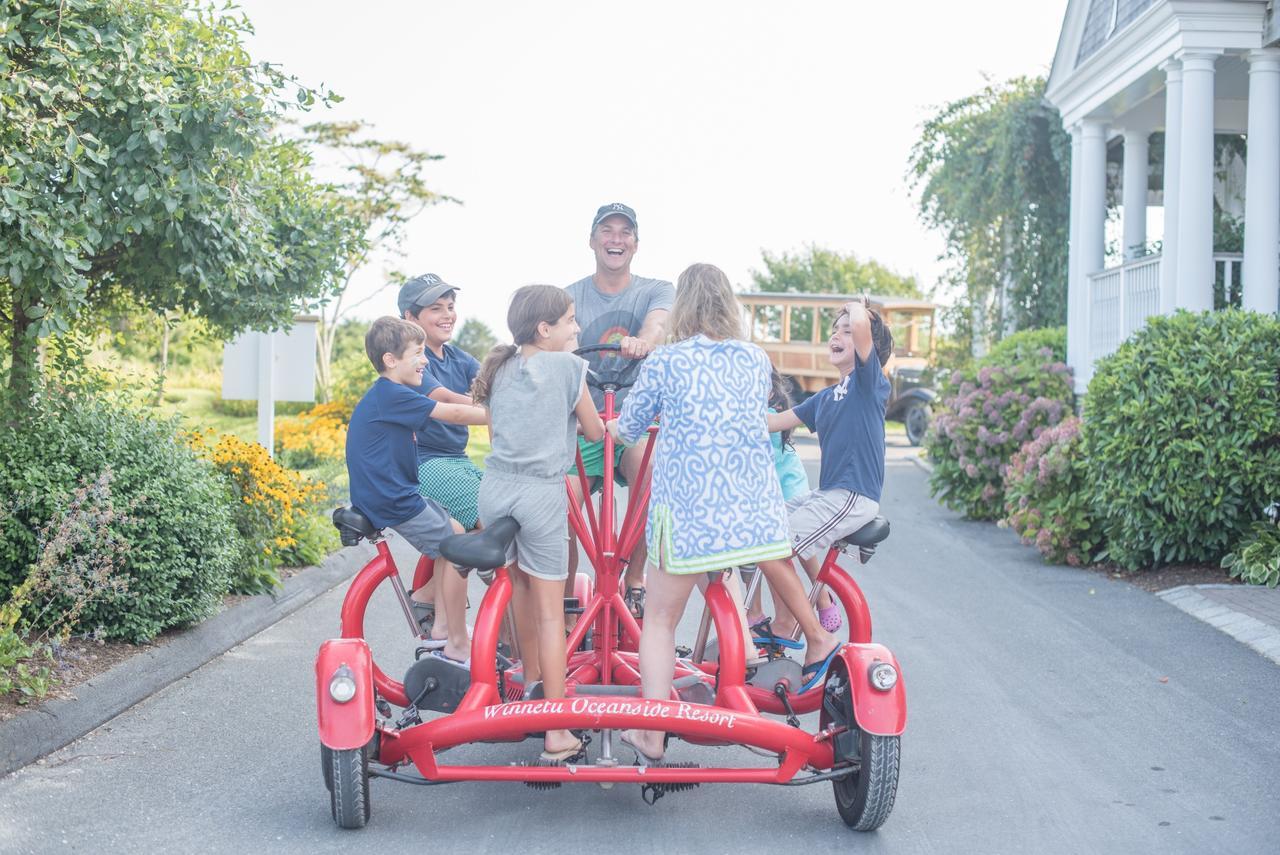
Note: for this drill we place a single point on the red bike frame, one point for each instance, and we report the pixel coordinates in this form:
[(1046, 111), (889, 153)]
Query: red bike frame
[(733, 718)]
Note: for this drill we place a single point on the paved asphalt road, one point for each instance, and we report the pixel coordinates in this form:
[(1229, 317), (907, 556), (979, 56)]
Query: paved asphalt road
[(1051, 710)]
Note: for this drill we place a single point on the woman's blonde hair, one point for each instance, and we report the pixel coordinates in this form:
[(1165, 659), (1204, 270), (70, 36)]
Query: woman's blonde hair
[(705, 304), (530, 306)]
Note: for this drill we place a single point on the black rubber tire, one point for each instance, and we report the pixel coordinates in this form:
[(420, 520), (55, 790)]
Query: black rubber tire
[(916, 420), (349, 795), (326, 766), (865, 798)]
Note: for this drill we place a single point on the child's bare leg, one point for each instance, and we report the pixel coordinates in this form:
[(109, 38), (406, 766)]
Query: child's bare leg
[(547, 596), (787, 590), (634, 576), (664, 605), (427, 593), (734, 587), (526, 626), (451, 607)]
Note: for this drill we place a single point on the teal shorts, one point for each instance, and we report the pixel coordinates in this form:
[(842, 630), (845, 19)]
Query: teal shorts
[(593, 461), (454, 482)]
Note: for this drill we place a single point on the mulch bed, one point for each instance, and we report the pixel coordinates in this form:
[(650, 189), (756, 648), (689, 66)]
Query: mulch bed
[(1168, 577)]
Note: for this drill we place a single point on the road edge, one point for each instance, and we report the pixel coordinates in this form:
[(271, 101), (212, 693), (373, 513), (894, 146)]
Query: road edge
[(28, 737)]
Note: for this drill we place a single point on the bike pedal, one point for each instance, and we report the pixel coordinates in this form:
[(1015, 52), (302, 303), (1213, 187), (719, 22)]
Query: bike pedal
[(650, 793)]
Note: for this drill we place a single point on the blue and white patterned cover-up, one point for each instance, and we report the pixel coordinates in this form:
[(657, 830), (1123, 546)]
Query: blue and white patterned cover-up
[(716, 501)]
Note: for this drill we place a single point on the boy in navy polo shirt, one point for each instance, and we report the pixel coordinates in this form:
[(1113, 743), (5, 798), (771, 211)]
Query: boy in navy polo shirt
[(849, 420), (382, 463)]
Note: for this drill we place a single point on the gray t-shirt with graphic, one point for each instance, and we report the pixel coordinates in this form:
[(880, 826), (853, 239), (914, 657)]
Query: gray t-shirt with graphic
[(608, 318), (531, 410)]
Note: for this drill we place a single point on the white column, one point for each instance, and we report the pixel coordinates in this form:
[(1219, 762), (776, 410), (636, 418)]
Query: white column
[(1091, 230), (1135, 193), (1077, 320), (1172, 148), (1195, 183), (1261, 269)]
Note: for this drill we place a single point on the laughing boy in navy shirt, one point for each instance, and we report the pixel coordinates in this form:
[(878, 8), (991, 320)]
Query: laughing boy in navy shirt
[(382, 462), (849, 420)]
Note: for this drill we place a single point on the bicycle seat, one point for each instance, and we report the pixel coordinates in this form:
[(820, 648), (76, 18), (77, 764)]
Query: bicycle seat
[(353, 526), (481, 550), (870, 534)]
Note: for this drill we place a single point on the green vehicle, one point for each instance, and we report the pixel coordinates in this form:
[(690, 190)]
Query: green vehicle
[(793, 329)]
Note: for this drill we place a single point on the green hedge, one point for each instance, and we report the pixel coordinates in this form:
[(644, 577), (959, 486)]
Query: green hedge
[(182, 544), (1183, 427)]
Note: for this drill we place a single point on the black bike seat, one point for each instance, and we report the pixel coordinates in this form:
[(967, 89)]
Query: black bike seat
[(870, 534), (481, 550), (353, 526)]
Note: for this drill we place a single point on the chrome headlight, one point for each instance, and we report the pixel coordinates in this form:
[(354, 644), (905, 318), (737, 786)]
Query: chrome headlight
[(883, 676), (342, 686)]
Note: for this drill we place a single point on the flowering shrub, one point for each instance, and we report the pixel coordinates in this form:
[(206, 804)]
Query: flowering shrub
[(1046, 495), (182, 546), (314, 437), (1183, 424), (985, 416), (81, 560), (271, 508)]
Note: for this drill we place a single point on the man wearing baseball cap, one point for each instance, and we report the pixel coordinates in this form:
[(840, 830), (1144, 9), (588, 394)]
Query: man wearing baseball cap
[(615, 307), (445, 472)]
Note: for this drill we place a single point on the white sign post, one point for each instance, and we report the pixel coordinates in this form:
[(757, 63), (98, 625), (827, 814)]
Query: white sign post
[(275, 366)]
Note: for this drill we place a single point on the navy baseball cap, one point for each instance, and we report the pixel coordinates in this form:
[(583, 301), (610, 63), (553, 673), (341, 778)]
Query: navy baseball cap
[(422, 291), (616, 208)]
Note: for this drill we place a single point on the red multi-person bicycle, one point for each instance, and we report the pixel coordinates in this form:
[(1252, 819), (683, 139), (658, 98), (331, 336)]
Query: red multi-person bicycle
[(861, 702)]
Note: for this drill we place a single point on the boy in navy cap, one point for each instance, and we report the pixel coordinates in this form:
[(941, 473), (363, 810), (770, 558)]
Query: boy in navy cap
[(445, 472)]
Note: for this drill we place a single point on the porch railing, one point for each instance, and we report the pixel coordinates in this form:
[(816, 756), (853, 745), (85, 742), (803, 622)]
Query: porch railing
[(1122, 298)]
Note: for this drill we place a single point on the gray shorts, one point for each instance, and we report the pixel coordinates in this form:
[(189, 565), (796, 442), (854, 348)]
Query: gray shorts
[(821, 517), (425, 531), (541, 547)]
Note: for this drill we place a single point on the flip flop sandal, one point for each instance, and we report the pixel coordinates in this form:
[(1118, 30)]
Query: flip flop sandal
[(433, 643), (814, 672), (425, 613), (564, 755), (459, 663), (641, 758), (779, 641), (830, 618)]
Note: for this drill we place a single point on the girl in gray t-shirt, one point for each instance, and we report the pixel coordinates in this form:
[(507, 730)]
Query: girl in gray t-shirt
[(536, 394)]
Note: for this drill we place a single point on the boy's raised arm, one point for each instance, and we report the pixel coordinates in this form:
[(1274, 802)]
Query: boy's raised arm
[(860, 328), (460, 414), (783, 421)]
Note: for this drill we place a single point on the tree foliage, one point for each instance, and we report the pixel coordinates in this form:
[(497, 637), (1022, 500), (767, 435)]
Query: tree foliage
[(993, 173), (817, 270), (138, 161), (475, 338), (381, 186)]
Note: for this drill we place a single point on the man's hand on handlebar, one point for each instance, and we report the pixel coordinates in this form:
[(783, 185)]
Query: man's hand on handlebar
[(633, 347)]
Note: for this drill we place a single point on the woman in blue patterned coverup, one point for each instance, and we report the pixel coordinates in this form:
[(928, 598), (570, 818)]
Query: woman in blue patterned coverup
[(716, 502)]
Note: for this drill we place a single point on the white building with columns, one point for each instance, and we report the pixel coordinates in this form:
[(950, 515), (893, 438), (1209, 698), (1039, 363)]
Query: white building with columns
[(1190, 69)]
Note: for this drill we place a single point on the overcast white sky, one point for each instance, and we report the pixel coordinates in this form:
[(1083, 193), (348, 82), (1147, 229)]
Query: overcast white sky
[(730, 127)]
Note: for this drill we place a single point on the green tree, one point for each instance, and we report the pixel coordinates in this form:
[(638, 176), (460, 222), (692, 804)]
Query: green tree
[(381, 187), (993, 173), (822, 271), (475, 338), (138, 162)]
